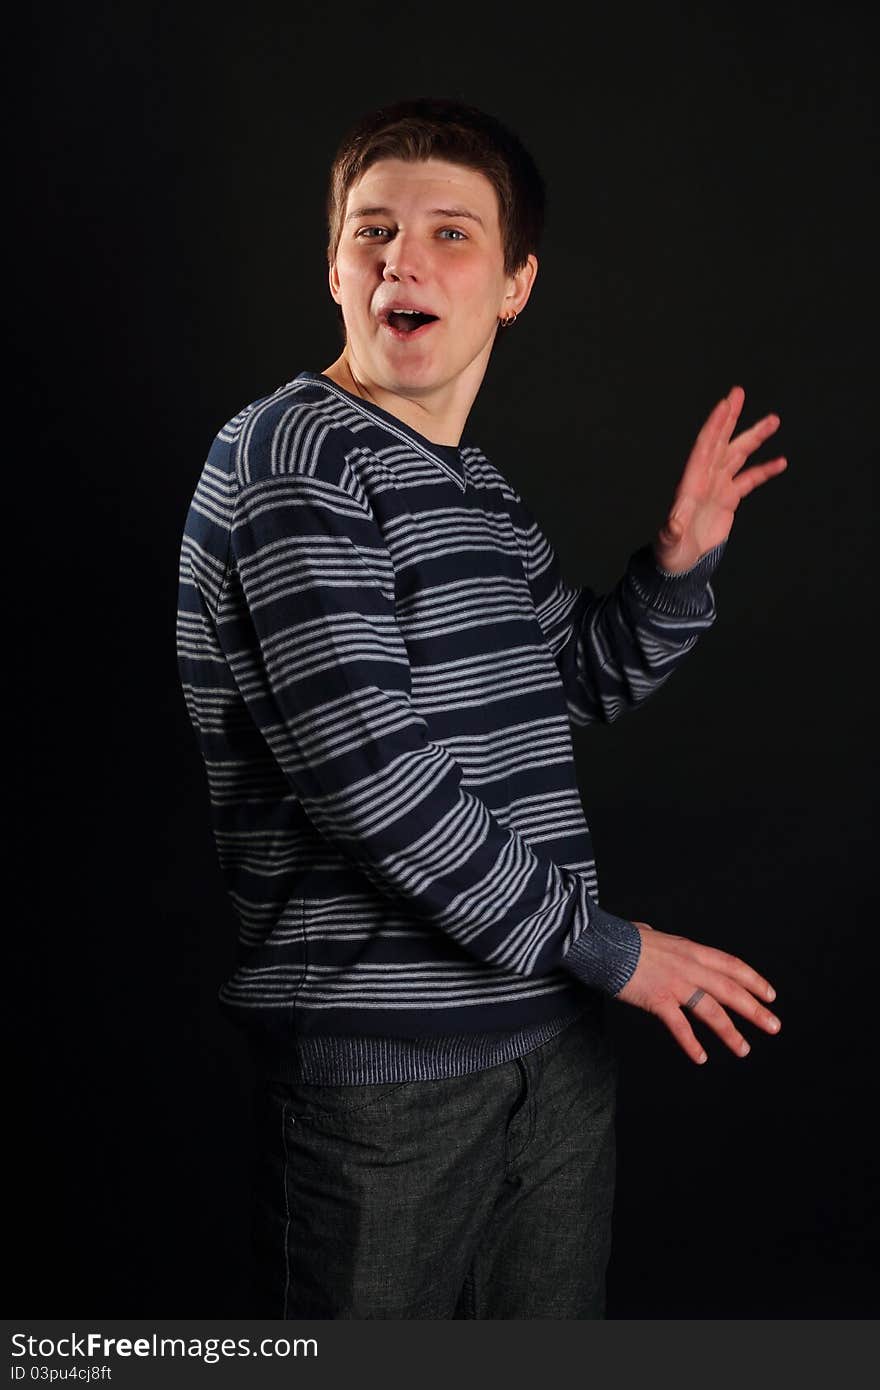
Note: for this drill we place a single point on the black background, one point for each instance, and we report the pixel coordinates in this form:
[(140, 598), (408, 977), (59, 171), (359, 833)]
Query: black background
[(711, 222)]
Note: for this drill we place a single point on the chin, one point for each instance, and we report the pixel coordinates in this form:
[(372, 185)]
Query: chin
[(409, 386), (415, 376)]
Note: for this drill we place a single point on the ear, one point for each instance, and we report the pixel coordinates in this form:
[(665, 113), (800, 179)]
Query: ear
[(519, 286), (333, 279)]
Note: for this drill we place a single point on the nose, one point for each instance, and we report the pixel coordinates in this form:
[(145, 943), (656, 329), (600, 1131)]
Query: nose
[(404, 259)]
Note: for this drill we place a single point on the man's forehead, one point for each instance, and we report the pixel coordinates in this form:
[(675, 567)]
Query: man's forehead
[(424, 182)]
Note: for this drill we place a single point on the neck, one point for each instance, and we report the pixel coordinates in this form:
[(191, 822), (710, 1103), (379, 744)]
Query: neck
[(439, 416)]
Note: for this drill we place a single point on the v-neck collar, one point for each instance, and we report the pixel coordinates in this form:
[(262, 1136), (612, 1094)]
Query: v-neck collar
[(446, 456)]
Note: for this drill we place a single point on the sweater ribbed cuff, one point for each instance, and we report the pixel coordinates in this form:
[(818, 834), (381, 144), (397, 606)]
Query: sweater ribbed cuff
[(606, 954), (677, 594)]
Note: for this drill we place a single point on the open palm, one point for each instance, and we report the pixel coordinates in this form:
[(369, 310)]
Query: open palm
[(713, 484)]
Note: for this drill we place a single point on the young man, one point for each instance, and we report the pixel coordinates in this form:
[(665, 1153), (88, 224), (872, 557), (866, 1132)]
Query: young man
[(381, 660)]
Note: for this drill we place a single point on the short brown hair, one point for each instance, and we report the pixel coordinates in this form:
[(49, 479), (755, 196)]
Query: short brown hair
[(438, 128)]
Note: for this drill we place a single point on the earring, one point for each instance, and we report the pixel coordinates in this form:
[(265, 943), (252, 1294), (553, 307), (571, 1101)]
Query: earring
[(511, 318)]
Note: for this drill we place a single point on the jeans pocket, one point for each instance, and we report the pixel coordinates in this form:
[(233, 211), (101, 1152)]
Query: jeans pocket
[(311, 1102)]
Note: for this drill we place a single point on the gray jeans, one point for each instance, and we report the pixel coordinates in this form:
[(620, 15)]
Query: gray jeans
[(480, 1196)]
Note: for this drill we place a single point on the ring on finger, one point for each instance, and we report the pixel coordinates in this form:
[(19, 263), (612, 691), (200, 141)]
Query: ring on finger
[(694, 999)]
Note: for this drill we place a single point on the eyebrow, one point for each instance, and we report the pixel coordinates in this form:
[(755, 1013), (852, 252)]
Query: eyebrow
[(434, 212)]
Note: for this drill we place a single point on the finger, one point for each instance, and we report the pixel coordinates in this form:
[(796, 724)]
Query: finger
[(711, 443), (683, 1033), (733, 996), (759, 473), (752, 439), (718, 1019), (710, 433), (763, 427), (723, 964), (736, 397)]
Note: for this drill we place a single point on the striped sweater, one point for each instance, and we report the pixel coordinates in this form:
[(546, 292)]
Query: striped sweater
[(382, 661)]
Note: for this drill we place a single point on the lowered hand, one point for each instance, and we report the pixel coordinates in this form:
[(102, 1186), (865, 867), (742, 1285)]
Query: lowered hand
[(672, 969)]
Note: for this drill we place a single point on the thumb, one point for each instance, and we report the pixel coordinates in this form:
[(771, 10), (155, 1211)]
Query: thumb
[(680, 516)]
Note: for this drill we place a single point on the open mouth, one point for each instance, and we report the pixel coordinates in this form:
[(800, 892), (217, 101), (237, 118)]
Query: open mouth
[(407, 323)]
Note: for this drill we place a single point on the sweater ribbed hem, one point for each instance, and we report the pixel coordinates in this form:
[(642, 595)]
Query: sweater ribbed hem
[(325, 1060)]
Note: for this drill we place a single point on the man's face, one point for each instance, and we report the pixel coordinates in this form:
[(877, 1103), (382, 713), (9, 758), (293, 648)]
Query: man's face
[(421, 235)]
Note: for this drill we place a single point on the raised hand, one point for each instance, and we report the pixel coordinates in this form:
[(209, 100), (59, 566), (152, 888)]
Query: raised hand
[(712, 486), (671, 970)]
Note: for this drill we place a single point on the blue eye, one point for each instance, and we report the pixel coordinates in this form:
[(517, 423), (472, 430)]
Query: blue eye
[(365, 233)]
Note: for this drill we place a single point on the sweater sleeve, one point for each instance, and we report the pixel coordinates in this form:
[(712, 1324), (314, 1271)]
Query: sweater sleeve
[(307, 622), (614, 650)]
